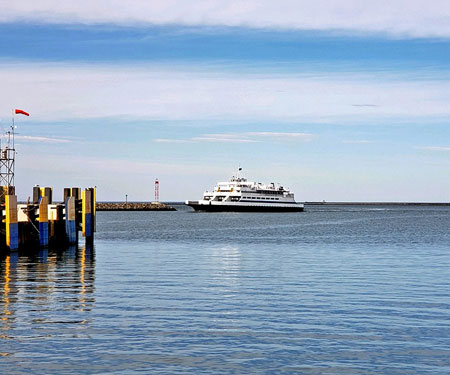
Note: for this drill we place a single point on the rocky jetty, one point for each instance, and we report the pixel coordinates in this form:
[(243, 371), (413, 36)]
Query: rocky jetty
[(122, 206)]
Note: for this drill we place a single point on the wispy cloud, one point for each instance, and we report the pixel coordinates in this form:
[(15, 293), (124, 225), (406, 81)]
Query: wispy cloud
[(357, 142), (244, 137), (29, 138), (281, 136), (399, 17), (170, 140), (225, 138), (434, 148)]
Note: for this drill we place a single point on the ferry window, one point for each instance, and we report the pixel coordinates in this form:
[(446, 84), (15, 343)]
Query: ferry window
[(277, 199)]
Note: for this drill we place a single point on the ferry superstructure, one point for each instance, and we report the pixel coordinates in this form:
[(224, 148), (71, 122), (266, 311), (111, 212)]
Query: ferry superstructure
[(238, 194)]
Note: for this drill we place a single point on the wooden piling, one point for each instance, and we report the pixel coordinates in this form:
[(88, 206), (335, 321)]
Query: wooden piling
[(71, 227), (94, 209), (75, 192), (66, 194), (87, 220), (36, 194), (12, 226), (59, 226), (43, 221), (47, 192)]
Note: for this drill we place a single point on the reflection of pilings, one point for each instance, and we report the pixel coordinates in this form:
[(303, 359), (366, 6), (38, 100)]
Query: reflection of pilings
[(6, 290), (38, 281), (86, 262), (9, 291)]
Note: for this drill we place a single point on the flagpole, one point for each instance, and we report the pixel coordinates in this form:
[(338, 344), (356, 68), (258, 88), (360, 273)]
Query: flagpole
[(13, 126)]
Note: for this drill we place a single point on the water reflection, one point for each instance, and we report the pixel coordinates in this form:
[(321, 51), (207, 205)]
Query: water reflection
[(225, 264), (44, 288), (6, 291)]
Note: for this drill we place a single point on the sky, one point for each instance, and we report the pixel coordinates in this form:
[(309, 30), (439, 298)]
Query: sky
[(337, 100)]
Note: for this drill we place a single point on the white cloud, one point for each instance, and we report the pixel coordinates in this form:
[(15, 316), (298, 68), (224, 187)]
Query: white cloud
[(53, 92), (30, 138), (396, 17)]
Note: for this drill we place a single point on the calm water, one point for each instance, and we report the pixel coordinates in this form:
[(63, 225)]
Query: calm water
[(334, 290)]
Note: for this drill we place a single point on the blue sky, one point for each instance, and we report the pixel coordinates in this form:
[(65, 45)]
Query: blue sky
[(340, 102)]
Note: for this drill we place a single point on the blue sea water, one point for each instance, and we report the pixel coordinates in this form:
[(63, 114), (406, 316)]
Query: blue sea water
[(332, 290)]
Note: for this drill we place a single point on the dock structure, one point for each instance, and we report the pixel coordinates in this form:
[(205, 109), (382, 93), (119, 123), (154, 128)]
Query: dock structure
[(42, 222)]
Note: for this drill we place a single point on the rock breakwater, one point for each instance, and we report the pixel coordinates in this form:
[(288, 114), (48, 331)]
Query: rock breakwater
[(122, 206)]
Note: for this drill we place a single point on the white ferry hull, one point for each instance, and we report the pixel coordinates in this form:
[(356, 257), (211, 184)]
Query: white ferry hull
[(245, 207)]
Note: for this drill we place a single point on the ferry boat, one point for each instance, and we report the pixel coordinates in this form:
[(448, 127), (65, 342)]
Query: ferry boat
[(238, 194)]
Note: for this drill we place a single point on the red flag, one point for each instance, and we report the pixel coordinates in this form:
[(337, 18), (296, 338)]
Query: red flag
[(20, 112)]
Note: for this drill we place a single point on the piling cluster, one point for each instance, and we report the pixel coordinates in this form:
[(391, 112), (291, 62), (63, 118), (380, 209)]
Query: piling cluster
[(42, 222)]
